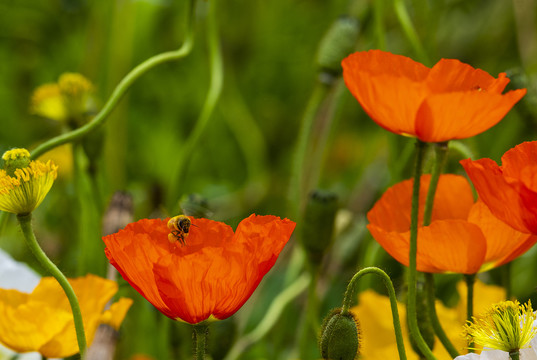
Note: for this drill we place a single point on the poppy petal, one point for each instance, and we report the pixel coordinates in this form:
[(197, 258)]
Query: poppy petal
[(134, 250), (448, 245), (459, 115), (502, 194), (503, 242), (386, 84), (453, 200), (451, 75)]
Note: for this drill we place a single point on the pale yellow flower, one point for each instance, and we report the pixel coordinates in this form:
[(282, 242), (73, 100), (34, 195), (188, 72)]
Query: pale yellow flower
[(42, 321), (24, 183), (378, 336)]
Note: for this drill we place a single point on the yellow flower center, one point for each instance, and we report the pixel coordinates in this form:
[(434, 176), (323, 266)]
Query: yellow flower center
[(507, 326), (23, 188)]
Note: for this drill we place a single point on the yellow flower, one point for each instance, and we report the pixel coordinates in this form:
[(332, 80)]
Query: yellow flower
[(378, 337), (506, 326), (68, 100), (24, 183), (47, 101), (42, 321)]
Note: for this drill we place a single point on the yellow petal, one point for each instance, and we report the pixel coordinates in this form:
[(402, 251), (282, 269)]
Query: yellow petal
[(115, 315)]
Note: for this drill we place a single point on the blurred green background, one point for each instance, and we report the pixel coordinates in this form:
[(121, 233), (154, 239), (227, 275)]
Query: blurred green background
[(246, 159)]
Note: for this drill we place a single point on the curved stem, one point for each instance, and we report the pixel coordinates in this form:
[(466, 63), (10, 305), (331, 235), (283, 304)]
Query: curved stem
[(410, 32), (412, 272), (201, 330), (215, 89), (122, 88), (349, 295), (25, 222), (431, 308)]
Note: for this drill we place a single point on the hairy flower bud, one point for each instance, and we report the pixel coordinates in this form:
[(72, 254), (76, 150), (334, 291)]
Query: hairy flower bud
[(318, 225), (337, 43), (340, 336)]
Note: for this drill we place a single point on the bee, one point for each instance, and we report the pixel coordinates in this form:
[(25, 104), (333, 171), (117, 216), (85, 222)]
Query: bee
[(179, 226)]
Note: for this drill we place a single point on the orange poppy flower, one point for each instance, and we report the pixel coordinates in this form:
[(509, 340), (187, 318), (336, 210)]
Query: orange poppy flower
[(510, 190), (463, 236), (452, 100), (210, 276)]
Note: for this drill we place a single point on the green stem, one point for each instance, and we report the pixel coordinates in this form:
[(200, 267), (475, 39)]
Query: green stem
[(25, 222), (441, 150), (271, 316), (470, 281), (201, 330), (410, 32), (412, 272), (506, 277), (298, 190), (380, 33), (514, 355), (310, 324), (349, 296), (215, 89), (122, 88), (431, 308)]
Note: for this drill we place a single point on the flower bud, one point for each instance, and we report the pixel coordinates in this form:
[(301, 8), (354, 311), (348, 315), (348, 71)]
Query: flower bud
[(318, 224), (340, 336), (338, 42)]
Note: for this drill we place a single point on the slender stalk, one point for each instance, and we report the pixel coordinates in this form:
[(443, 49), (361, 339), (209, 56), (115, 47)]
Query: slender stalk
[(25, 222), (215, 89), (514, 355), (506, 279), (470, 281), (201, 331), (431, 308), (349, 296), (298, 189), (310, 324), (441, 150), (380, 33), (412, 272), (410, 32), (122, 88)]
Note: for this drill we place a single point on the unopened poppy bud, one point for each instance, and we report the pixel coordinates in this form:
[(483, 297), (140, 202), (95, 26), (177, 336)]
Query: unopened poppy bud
[(24, 183), (318, 224), (337, 43), (340, 336)]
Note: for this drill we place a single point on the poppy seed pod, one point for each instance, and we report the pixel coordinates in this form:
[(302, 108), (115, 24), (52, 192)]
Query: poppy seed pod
[(340, 336), (318, 224), (337, 43)]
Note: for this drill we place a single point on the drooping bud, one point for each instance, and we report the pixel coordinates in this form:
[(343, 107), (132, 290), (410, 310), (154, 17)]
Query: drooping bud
[(337, 43), (318, 224), (340, 336)]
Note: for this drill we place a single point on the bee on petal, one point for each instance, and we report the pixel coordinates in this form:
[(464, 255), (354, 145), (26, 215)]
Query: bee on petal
[(179, 226)]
